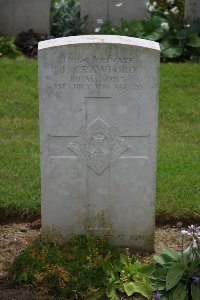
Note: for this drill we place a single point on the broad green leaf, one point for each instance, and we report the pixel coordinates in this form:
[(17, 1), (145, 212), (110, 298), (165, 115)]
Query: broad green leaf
[(171, 42), (112, 277), (195, 58), (172, 52), (179, 293), (129, 288), (158, 285), (166, 44), (169, 260), (110, 290), (195, 290), (146, 269), (152, 23), (156, 35), (164, 260), (142, 288), (181, 34), (152, 28), (134, 260), (193, 41), (114, 297), (131, 269), (187, 292), (172, 253), (125, 259), (121, 288), (193, 265), (159, 259), (187, 251), (171, 295), (118, 266), (159, 273), (174, 274)]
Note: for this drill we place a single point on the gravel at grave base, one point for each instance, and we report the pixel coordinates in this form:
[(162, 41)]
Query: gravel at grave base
[(15, 237)]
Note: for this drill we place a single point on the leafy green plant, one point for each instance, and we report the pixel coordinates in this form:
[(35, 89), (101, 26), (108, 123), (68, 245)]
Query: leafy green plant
[(27, 42), (8, 48), (177, 274), (164, 5), (66, 19), (179, 40), (127, 275)]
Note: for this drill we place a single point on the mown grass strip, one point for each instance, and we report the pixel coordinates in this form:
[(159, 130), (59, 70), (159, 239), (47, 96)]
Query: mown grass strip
[(178, 179)]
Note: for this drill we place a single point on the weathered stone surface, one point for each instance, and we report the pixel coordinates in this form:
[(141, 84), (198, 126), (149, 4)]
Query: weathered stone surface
[(192, 9), (112, 11), (22, 15), (98, 114)]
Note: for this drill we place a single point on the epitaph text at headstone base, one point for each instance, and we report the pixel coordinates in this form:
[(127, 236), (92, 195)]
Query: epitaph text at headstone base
[(98, 118), (192, 9), (112, 11)]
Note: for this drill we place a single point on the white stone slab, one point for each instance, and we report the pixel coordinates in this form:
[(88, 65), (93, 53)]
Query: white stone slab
[(21, 15), (112, 11), (126, 10), (98, 118), (192, 9)]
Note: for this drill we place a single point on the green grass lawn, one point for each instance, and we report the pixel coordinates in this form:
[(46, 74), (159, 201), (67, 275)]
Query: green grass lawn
[(19, 137), (178, 179)]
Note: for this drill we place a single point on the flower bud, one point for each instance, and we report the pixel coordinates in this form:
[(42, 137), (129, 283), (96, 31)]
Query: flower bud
[(165, 26), (184, 232), (175, 10), (194, 244)]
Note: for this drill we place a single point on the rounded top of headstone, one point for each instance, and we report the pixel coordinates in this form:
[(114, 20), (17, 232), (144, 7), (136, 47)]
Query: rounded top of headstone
[(99, 39)]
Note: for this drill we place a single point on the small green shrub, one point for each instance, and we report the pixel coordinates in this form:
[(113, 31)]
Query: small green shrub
[(8, 48), (70, 271), (127, 275), (66, 18), (35, 264), (27, 42)]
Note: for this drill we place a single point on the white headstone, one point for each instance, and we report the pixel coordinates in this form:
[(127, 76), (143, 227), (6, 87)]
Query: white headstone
[(22, 15), (111, 11), (98, 118), (192, 9)]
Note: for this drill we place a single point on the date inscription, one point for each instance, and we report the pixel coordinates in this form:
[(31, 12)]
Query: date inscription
[(91, 73), (117, 86)]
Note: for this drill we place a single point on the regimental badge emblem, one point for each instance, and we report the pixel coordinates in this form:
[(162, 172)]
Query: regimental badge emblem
[(98, 146)]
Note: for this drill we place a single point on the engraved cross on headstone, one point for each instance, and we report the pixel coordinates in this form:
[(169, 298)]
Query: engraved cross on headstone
[(98, 145)]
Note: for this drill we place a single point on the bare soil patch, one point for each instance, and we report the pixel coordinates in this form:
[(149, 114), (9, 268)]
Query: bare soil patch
[(15, 237)]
